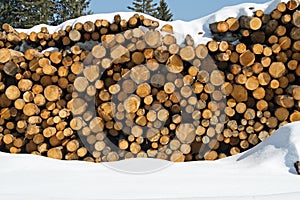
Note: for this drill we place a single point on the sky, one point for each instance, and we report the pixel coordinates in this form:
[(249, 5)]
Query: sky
[(182, 9)]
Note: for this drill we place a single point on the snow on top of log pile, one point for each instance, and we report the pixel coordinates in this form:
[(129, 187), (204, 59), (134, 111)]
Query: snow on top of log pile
[(181, 28)]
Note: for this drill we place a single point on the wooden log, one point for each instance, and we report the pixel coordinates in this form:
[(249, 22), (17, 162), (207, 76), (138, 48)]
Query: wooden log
[(5, 55), (174, 64), (295, 33), (252, 83), (211, 155), (75, 35), (247, 58), (253, 23), (177, 156), (295, 116), (219, 27), (167, 28), (201, 51), (187, 53), (239, 93), (294, 91), (285, 101), (153, 38), (98, 51), (186, 133), (233, 24), (52, 93), (277, 69), (72, 145), (132, 103), (276, 14), (297, 167), (292, 4), (281, 7), (213, 46), (12, 92), (55, 153)]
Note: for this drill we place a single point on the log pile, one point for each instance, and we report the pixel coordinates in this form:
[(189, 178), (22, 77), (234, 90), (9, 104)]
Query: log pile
[(115, 90)]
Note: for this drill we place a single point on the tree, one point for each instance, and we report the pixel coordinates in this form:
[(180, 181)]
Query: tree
[(144, 6), (163, 12), (69, 9), (9, 10), (35, 12), (27, 13)]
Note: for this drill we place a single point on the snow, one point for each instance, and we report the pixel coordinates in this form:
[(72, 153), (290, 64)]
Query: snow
[(264, 172)]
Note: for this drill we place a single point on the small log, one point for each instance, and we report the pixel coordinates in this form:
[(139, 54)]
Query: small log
[(174, 64), (211, 155), (132, 103), (12, 92), (5, 55), (89, 26), (219, 27), (98, 51), (52, 93), (167, 28), (285, 101), (177, 156), (153, 38), (201, 51), (281, 7), (292, 4), (187, 53), (75, 35), (247, 58), (213, 46), (239, 93), (55, 153), (253, 23), (277, 69), (233, 24), (252, 83), (297, 166), (186, 133), (72, 145), (295, 33)]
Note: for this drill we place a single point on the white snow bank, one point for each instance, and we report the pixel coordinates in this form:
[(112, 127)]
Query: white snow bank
[(264, 172), (181, 28)]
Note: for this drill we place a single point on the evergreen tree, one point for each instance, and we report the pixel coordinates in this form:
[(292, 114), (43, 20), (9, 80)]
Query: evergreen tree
[(27, 13), (144, 6), (163, 12), (35, 12), (9, 12), (69, 9)]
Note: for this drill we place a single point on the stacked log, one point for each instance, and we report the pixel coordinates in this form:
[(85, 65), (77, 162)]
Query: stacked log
[(115, 91), (70, 35), (297, 167)]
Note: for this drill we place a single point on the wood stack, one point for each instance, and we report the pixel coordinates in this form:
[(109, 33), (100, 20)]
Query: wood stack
[(70, 36), (135, 93)]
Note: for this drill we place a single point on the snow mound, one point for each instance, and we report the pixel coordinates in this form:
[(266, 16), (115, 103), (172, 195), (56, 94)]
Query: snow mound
[(280, 150)]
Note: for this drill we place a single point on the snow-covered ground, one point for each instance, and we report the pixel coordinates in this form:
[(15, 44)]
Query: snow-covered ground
[(264, 172)]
